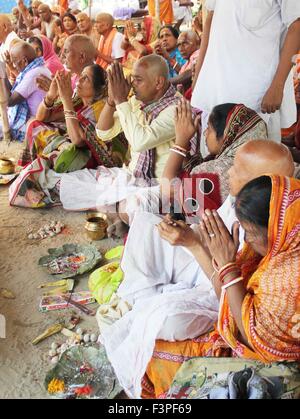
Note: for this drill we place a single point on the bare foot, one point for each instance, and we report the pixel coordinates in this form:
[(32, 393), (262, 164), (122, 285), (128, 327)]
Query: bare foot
[(117, 229)]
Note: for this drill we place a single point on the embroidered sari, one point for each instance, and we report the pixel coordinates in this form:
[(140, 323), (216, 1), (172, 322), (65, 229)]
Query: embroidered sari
[(270, 310)]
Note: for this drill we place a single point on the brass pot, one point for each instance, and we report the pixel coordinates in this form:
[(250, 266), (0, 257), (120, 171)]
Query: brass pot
[(6, 166), (96, 225)]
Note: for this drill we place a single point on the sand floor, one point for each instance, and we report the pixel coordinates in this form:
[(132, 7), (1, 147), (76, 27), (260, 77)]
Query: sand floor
[(23, 366)]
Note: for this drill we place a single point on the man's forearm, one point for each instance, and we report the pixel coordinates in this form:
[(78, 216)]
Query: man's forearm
[(184, 78), (106, 120), (290, 47)]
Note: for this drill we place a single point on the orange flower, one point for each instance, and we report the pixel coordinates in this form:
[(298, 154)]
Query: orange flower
[(83, 391)]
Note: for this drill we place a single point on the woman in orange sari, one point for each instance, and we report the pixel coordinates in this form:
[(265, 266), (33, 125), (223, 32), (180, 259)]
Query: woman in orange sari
[(259, 289), (137, 41)]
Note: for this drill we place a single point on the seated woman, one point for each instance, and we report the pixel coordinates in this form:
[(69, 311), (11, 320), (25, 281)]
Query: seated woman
[(258, 289), (167, 48), (137, 42), (71, 121), (43, 48), (69, 25), (229, 127), (64, 137)]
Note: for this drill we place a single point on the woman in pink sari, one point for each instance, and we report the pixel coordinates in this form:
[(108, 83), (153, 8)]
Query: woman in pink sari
[(44, 48)]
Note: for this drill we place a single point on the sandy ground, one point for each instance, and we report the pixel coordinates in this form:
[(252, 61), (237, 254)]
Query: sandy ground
[(23, 366)]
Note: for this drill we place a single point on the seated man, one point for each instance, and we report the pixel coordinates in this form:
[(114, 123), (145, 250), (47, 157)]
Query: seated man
[(166, 283), (109, 48), (48, 21), (25, 96), (147, 120), (85, 25), (188, 44), (182, 12)]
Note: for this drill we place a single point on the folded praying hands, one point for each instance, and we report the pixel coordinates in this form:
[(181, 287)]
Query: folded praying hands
[(118, 86), (64, 85), (222, 245)]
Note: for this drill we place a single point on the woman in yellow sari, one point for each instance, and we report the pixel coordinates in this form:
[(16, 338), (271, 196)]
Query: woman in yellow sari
[(259, 288)]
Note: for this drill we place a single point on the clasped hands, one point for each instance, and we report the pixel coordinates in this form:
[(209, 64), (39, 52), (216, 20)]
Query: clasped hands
[(212, 234)]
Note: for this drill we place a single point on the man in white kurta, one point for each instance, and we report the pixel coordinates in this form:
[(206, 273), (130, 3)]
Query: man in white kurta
[(248, 59)]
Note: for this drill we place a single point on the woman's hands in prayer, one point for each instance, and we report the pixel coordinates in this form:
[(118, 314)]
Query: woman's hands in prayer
[(178, 233), (130, 30), (118, 86), (272, 100), (64, 85), (185, 125), (222, 245)]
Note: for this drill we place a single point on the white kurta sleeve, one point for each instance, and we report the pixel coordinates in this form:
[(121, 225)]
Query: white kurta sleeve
[(290, 11), (210, 5)]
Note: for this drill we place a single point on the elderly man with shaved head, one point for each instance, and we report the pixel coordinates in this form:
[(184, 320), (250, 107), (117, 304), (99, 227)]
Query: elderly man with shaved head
[(25, 95), (109, 48), (188, 44)]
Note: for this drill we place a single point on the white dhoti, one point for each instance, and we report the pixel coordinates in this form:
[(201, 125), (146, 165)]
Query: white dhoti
[(171, 296), (102, 188)]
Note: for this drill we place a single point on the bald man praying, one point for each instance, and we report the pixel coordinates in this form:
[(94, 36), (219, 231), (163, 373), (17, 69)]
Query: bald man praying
[(24, 96)]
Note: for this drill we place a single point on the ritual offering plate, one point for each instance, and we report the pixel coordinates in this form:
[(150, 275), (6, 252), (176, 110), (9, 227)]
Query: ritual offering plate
[(70, 260), (83, 372)]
